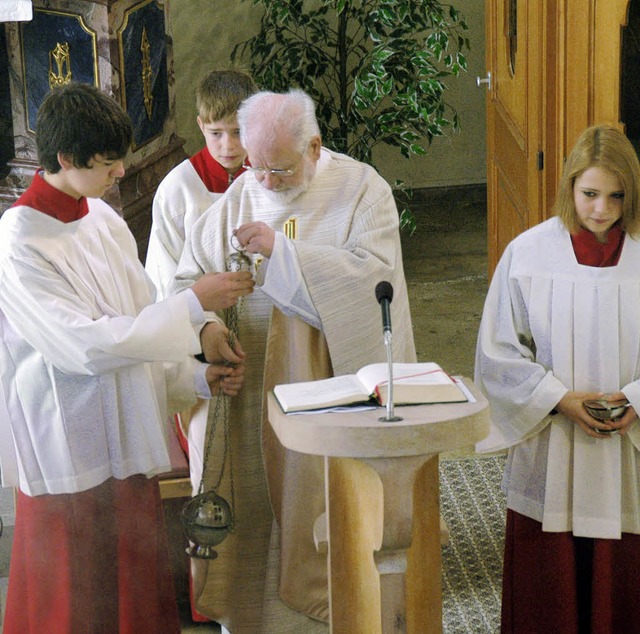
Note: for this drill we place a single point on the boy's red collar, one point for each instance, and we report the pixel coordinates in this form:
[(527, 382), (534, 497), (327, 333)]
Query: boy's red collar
[(45, 198), (211, 173)]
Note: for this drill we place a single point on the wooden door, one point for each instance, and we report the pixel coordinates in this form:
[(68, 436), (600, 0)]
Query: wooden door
[(588, 58), (610, 18), (515, 119), (556, 68)]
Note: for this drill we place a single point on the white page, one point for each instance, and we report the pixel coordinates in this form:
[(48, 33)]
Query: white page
[(409, 373), (306, 393)]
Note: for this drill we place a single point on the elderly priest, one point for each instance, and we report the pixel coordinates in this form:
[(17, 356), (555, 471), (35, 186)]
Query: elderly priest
[(322, 231)]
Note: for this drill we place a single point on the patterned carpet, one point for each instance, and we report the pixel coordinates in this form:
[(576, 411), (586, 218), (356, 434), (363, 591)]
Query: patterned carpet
[(473, 507)]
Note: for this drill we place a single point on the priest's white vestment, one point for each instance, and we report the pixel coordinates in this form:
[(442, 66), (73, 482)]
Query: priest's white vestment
[(345, 240), (552, 325)]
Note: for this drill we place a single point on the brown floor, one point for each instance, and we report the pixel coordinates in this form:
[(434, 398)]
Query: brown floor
[(445, 264)]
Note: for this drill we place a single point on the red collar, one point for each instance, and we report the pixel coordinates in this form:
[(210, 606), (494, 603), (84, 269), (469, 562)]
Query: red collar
[(51, 201), (590, 252), (215, 178)]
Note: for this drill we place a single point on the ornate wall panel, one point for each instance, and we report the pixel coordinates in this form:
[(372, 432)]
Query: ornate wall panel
[(124, 48), (57, 48), (145, 92)]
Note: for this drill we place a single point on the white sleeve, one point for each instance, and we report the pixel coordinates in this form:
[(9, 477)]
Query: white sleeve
[(521, 392), (81, 333), (8, 459), (166, 241), (280, 278)]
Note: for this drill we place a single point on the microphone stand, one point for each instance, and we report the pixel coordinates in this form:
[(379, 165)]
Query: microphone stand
[(390, 417)]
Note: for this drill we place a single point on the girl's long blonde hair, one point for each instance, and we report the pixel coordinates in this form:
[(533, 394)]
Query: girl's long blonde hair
[(606, 147)]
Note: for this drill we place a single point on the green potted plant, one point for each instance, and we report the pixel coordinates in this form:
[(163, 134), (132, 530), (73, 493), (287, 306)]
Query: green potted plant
[(376, 69)]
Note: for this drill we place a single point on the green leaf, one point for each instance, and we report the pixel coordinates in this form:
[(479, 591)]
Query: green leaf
[(408, 221), (374, 67)]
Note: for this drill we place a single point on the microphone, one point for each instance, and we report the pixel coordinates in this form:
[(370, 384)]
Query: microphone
[(384, 295)]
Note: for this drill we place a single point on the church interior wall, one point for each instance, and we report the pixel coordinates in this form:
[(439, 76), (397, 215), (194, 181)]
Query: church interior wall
[(205, 32)]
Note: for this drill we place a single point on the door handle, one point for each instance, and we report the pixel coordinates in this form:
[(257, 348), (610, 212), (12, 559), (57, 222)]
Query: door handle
[(485, 80)]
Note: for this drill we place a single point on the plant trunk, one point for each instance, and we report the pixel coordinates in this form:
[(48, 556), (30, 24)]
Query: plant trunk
[(342, 78)]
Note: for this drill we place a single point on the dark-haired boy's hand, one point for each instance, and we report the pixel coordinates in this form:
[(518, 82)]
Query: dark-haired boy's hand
[(217, 291)]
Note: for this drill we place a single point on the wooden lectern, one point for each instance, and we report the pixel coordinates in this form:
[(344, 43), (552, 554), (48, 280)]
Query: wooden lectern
[(382, 501)]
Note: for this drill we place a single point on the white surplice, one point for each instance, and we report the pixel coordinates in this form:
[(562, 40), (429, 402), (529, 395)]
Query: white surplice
[(181, 198), (552, 325), (83, 351)]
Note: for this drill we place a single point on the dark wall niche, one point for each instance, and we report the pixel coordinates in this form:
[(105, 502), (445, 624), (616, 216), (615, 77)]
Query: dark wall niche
[(6, 122)]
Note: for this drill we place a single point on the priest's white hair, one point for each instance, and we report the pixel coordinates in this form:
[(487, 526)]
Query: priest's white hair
[(266, 116)]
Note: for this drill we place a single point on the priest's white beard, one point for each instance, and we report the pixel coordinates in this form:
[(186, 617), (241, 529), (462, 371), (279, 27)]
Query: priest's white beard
[(287, 195)]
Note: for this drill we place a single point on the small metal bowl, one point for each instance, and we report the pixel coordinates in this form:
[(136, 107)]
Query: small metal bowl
[(604, 410), (601, 409)]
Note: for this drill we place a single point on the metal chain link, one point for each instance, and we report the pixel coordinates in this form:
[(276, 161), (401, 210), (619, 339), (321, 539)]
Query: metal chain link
[(222, 406)]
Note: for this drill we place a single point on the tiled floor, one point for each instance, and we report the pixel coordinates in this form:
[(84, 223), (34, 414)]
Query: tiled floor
[(6, 539), (5, 550), (3, 596)]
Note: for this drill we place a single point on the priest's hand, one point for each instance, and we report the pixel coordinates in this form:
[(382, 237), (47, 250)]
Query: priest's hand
[(214, 339), (571, 406), (256, 237), (224, 379), (217, 291)]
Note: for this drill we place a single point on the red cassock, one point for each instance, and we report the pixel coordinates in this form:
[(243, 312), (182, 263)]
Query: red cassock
[(555, 582), (95, 561)]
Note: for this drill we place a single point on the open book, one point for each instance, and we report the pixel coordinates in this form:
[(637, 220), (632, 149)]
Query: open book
[(413, 383)]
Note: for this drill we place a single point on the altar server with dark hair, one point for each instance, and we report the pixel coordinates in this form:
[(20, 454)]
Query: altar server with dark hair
[(89, 366)]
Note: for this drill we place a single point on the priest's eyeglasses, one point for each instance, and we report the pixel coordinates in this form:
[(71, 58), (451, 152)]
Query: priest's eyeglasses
[(263, 171)]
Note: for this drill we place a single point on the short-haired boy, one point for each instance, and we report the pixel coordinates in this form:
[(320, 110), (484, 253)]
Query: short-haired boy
[(89, 366), (195, 184)]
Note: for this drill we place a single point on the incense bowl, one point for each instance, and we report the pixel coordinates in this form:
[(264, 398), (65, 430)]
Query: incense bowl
[(206, 520)]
